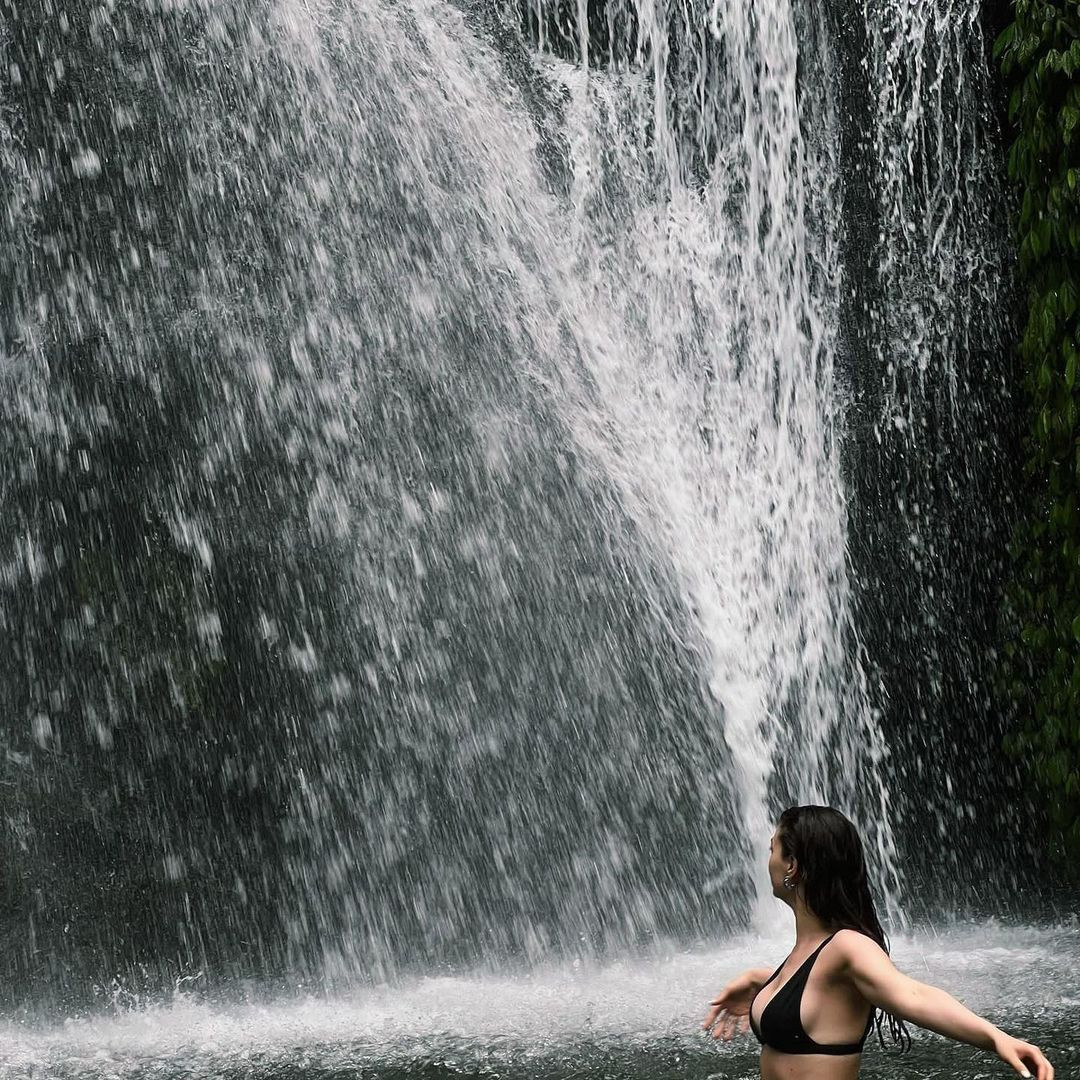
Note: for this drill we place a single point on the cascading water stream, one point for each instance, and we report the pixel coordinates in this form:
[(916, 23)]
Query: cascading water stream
[(428, 447), (722, 397), (936, 433), (943, 241)]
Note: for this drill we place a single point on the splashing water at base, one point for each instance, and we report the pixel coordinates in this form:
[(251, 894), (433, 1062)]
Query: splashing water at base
[(636, 1019)]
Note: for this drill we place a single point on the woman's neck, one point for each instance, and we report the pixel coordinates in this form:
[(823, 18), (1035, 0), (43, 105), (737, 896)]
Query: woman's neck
[(808, 927)]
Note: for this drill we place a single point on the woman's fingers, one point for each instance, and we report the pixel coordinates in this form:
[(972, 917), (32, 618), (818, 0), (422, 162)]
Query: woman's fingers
[(1014, 1059), (716, 1022), (1020, 1055), (725, 1018), (719, 1004), (726, 1025), (1033, 1056), (1026, 1055), (714, 1012)]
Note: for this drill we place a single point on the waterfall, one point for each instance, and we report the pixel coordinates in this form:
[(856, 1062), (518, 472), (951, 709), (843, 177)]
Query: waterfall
[(719, 253), (938, 449), (427, 432)]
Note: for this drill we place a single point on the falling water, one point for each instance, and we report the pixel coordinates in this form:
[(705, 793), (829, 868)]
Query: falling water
[(722, 399), (943, 246), (428, 437), (939, 444), (540, 485)]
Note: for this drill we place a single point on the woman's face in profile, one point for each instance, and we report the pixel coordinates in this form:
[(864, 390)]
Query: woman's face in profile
[(778, 865)]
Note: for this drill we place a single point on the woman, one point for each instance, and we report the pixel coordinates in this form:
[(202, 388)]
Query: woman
[(812, 1014)]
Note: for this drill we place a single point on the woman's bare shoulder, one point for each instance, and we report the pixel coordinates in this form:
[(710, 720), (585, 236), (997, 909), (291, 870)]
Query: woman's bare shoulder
[(853, 945)]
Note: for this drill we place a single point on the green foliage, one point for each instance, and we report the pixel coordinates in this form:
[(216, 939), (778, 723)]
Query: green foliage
[(1039, 54)]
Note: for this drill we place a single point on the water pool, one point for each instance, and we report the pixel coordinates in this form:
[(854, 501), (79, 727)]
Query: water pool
[(636, 1020)]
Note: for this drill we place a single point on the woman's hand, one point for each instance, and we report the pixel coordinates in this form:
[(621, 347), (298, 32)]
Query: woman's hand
[(1026, 1059), (730, 1012)]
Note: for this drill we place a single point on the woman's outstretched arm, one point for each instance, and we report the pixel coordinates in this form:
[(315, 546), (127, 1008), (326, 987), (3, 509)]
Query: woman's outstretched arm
[(878, 980)]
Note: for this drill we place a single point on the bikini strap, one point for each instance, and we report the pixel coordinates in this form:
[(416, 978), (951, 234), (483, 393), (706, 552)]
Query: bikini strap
[(803, 974), (825, 942), (817, 952)]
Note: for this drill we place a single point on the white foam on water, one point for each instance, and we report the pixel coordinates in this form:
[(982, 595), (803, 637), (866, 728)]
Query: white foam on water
[(1008, 971)]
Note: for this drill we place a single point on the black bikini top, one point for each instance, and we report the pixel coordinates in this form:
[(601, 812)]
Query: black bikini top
[(781, 1025)]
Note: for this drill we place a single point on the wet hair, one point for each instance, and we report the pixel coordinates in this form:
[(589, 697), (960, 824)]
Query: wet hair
[(832, 873)]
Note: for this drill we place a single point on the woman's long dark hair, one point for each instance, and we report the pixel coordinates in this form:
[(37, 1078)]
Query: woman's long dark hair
[(832, 874)]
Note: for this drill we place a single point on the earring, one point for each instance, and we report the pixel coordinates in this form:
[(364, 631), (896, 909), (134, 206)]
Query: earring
[(788, 883)]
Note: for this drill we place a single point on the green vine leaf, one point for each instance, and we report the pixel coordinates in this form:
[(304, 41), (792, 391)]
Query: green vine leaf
[(1039, 55)]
